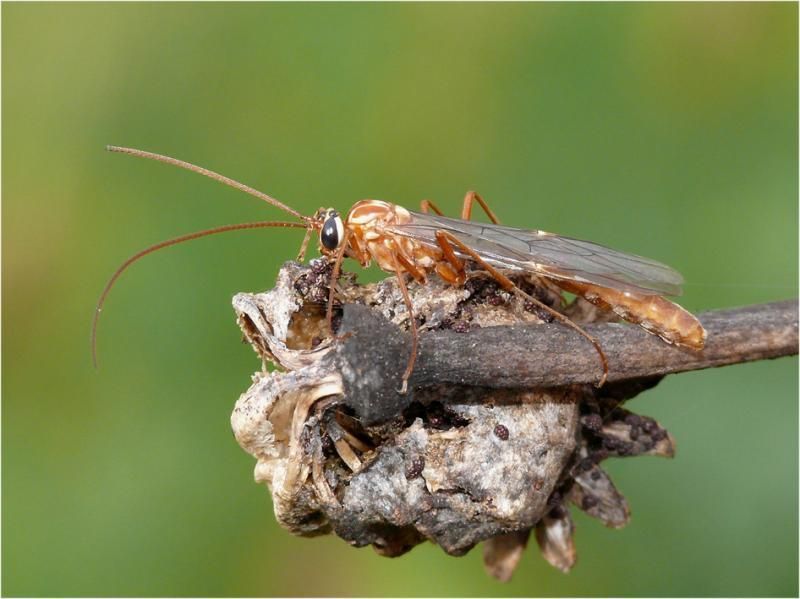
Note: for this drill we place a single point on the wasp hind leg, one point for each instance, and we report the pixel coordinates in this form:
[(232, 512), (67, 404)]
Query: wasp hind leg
[(471, 198), (446, 242), (427, 206)]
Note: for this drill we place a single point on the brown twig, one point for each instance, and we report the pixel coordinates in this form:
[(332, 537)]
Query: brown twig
[(550, 355)]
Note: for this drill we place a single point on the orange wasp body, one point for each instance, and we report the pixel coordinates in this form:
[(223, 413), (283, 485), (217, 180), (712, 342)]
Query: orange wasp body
[(404, 242)]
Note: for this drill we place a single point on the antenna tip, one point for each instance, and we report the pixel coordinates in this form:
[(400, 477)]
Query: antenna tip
[(110, 148)]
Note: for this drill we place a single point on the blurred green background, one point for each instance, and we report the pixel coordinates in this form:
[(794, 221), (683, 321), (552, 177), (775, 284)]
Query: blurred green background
[(668, 130)]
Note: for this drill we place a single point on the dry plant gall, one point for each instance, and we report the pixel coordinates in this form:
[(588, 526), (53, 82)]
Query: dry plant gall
[(452, 465)]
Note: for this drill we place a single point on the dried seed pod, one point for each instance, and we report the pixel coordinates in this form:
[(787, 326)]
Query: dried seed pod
[(343, 452)]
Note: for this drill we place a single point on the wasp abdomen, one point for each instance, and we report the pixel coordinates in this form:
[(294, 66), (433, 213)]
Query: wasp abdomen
[(655, 314)]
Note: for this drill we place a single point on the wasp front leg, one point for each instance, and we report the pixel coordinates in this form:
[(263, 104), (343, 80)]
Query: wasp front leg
[(337, 265), (412, 323)]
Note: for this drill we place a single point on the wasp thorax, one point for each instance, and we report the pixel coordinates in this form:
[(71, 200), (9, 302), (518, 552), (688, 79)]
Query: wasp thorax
[(332, 232)]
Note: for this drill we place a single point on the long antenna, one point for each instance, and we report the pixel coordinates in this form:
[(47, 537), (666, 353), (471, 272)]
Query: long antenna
[(167, 243), (211, 174)]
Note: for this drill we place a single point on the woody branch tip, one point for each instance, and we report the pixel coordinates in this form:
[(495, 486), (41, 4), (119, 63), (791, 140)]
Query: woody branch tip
[(550, 355)]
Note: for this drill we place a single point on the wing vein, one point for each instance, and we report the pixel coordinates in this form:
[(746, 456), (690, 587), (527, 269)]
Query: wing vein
[(549, 255)]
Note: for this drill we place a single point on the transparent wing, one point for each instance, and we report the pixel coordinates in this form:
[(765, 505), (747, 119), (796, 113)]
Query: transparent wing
[(549, 255)]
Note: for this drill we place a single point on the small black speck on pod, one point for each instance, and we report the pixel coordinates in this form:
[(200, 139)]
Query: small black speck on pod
[(461, 326), (633, 420), (592, 422), (415, 468), (625, 448), (610, 443), (327, 445), (554, 499), (501, 431), (648, 426), (320, 266), (658, 434), (589, 501)]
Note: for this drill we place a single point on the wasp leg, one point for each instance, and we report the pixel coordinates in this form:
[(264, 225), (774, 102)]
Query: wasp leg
[(337, 265), (412, 323), (466, 214), (452, 271), (409, 267), (446, 240), (427, 206), (453, 263), (469, 199)]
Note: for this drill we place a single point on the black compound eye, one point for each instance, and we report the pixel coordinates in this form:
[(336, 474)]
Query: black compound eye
[(332, 232)]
